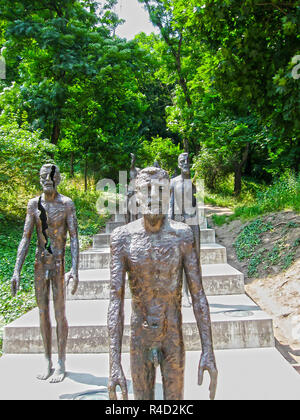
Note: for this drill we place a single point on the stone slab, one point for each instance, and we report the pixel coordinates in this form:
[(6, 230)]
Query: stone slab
[(248, 374), (218, 279), (236, 323), (95, 258), (102, 240)]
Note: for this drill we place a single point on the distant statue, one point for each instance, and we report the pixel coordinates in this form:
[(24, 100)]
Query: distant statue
[(132, 212), (53, 215), (154, 250), (183, 208)]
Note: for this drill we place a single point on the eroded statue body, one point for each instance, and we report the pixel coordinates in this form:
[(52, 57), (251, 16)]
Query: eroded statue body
[(53, 215), (155, 250), (183, 208)]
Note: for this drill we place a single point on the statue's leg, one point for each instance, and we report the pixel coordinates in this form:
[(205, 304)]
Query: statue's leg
[(172, 368), (196, 232), (142, 371), (186, 300), (42, 282), (58, 289)]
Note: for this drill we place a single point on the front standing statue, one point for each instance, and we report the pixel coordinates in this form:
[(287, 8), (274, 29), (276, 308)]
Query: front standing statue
[(154, 250), (183, 208), (53, 215)]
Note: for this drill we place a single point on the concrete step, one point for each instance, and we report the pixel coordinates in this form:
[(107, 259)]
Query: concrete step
[(110, 226), (118, 218), (95, 258), (218, 279), (237, 322), (102, 239), (247, 374)]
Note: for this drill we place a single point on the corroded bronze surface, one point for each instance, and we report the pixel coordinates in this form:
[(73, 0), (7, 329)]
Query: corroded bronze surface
[(183, 207), (155, 250), (53, 215)]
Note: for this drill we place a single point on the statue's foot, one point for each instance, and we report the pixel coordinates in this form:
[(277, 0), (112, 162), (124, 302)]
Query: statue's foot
[(59, 373), (186, 302), (46, 372)]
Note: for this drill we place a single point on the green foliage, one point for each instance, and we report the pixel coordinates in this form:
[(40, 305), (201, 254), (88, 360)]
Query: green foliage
[(10, 236), (249, 238), (22, 153), (164, 151), (283, 194), (254, 245)]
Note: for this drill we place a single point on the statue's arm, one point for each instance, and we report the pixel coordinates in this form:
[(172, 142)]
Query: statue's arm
[(74, 245), (172, 202), (116, 315), (201, 310), (23, 247)]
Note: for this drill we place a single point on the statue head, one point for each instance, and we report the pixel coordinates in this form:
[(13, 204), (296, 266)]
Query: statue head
[(153, 191), (183, 163), (49, 177)]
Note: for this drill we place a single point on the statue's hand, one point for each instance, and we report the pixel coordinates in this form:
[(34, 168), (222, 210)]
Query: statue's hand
[(74, 276), (116, 378), (15, 284), (207, 362)]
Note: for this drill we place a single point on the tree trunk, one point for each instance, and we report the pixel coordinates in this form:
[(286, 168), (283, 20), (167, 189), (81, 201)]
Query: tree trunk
[(237, 179), (55, 133), (238, 169)]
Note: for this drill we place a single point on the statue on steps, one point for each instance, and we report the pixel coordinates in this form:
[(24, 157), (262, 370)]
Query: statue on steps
[(183, 208), (154, 251), (53, 215)]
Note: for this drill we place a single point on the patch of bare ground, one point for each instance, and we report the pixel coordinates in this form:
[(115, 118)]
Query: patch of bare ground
[(275, 283)]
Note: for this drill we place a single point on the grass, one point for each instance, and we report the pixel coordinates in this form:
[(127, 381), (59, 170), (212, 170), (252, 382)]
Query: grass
[(249, 246), (11, 230), (255, 199)]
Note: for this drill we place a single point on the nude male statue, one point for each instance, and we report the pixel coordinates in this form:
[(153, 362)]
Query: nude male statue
[(154, 250), (183, 208), (53, 215)]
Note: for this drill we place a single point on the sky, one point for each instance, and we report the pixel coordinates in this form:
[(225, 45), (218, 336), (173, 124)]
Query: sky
[(137, 19)]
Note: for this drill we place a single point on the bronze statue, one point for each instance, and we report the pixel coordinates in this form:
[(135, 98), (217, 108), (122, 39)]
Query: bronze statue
[(183, 208), (154, 250), (53, 215)]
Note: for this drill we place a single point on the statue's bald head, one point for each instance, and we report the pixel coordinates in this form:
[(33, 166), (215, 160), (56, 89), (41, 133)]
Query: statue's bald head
[(149, 173), (183, 163), (153, 190)]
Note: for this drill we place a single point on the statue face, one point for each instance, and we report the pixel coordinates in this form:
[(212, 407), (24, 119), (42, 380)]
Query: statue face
[(153, 195), (49, 178), (183, 163)]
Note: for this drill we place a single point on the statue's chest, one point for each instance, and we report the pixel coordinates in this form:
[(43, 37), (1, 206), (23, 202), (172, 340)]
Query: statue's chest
[(153, 251), (182, 189), (53, 214)]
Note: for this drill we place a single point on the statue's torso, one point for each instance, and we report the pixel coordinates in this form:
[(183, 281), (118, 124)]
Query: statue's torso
[(154, 262), (56, 213)]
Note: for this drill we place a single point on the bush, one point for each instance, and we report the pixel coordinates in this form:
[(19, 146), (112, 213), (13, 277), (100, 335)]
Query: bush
[(22, 153), (283, 194), (210, 165), (162, 150)]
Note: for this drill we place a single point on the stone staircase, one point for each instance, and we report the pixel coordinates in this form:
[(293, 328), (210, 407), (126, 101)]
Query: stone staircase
[(237, 322)]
